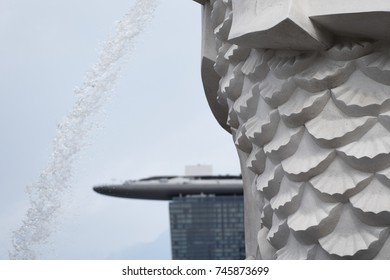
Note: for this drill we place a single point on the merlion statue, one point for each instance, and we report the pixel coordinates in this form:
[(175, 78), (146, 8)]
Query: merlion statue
[(303, 86)]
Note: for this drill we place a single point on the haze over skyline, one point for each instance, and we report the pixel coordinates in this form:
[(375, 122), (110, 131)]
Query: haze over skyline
[(157, 122)]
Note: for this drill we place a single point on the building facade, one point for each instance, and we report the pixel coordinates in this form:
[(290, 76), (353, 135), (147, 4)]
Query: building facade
[(206, 212), (207, 227)]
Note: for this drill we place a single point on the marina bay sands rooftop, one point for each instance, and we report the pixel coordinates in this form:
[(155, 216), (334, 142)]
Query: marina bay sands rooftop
[(167, 187)]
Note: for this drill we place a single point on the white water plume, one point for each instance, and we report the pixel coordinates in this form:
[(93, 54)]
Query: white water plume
[(46, 194)]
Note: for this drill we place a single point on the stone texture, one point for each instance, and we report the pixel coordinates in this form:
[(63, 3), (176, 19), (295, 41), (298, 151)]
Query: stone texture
[(304, 88)]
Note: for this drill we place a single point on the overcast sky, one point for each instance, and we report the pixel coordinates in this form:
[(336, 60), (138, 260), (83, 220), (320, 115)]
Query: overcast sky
[(157, 122)]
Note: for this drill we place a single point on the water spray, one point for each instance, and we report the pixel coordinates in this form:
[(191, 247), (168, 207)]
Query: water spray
[(46, 194)]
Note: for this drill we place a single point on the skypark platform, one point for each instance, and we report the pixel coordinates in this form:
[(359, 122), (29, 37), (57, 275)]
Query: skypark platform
[(167, 187)]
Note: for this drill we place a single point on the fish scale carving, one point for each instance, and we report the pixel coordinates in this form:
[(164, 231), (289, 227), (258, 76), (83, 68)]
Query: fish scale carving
[(315, 129)]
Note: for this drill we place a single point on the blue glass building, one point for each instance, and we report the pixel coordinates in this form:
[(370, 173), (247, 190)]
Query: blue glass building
[(207, 227), (206, 213)]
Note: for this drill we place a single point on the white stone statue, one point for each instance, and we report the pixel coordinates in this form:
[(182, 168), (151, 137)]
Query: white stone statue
[(304, 88)]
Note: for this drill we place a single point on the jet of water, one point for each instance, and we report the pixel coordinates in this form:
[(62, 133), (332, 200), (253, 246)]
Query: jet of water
[(47, 192)]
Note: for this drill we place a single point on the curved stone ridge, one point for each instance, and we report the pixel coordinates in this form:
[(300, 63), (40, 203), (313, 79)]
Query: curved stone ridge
[(313, 132), (351, 236), (373, 199)]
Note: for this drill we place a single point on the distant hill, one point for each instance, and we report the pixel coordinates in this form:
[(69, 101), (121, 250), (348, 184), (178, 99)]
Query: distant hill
[(159, 249)]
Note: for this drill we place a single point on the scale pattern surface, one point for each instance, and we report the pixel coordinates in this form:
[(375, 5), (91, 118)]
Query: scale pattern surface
[(315, 129)]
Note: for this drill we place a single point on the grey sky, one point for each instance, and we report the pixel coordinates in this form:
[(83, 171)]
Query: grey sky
[(157, 122)]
